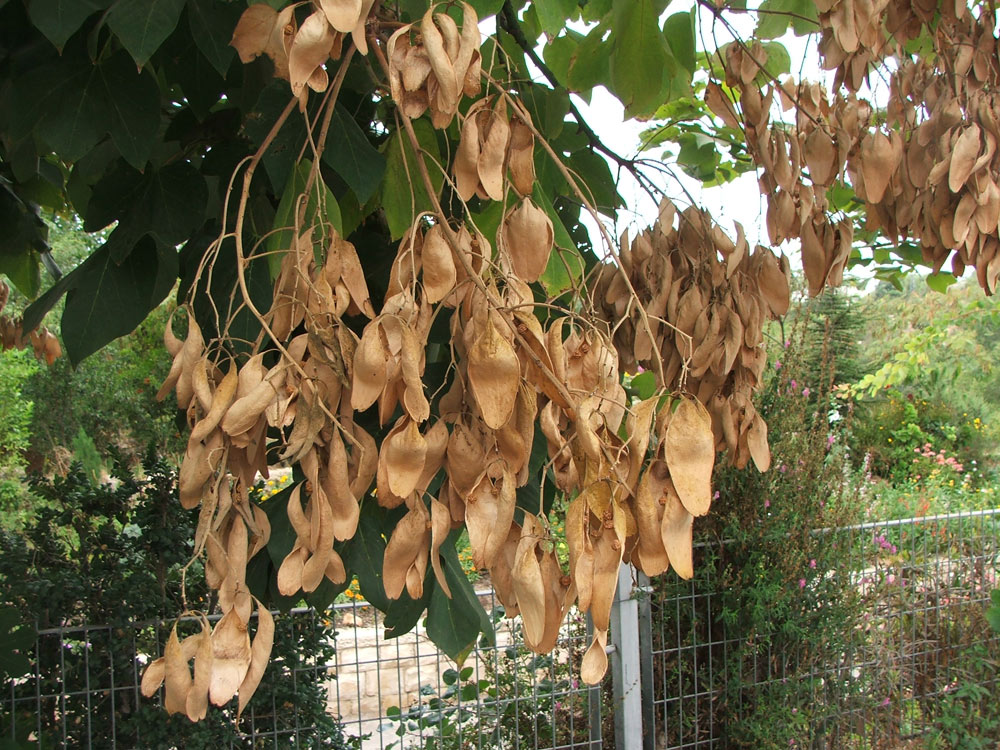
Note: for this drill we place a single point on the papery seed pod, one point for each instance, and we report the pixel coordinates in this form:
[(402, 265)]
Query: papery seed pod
[(231, 657), (690, 455), (528, 237), (494, 375)]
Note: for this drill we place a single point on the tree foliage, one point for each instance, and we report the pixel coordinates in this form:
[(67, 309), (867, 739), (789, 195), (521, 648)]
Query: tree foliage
[(378, 224)]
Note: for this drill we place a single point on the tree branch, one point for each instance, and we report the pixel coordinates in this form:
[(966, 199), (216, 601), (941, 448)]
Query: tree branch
[(507, 20)]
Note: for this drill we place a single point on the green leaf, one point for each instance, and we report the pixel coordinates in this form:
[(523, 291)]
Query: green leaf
[(596, 10), (14, 638), (488, 220), (56, 103), (71, 103), (283, 536), (455, 624), (486, 8), (132, 102), (548, 108), (109, 300), (143, 25), (37, 310), (284, 218), (679, 32), (529, 495), (774, 16), (351, 155), (644, 384), (553, 14), (22, 236), (365, 551), (993, 615), (559, 53), (565, 267), (168, 204), (60, 19), (24, 272), (327, 591), (404, 612), (640, 61), (403, 192), (279, 159), (212, 25), (779, 62), (595, 172), (940, 281), (590, 61), (185, 65)]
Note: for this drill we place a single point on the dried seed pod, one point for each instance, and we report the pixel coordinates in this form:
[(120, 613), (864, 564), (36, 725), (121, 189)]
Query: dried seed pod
[(231, 657), (528, 237), (260, 654), (406, 554), (689, 450), (494, 375)]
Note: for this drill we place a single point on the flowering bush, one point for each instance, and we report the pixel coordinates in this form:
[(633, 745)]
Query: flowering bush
[(775, 586), (907, 438)]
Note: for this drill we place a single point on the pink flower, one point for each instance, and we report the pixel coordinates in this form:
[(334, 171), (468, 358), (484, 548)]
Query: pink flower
[(716, 495), (802, 583), (831, 440), (777, 365), (812, 563), (783, 468), (794, 385), (805, 392), (885, 701), (767, 503)]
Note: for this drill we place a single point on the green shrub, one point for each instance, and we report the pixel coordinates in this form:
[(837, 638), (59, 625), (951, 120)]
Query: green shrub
[(515, 694), (778, 595)]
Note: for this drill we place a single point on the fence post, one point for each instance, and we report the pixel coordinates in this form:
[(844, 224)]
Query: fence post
[(625, 664), (644, 591)]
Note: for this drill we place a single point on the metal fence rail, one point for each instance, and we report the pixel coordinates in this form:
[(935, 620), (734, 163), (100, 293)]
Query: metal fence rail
[(917, 588), (694, 677)]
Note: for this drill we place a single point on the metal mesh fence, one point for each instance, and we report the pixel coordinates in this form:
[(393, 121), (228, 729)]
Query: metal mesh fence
[(372, 692), (909, 598), (883, 651)]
